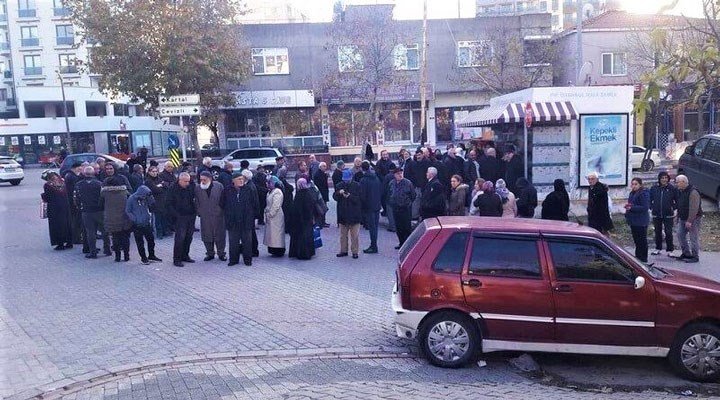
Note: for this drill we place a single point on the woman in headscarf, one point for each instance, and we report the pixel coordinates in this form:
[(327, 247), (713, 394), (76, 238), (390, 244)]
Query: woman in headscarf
[(507, 197), (274, 218), (556, 205), (488, 203), (302, 245), (58, 211), (114, 195), (477, 191)]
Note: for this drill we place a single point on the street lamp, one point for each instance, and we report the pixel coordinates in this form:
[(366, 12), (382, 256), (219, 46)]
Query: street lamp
[(68, 139)]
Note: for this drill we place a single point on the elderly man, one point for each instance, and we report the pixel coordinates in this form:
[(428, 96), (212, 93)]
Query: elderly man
[(206, 166), (689, 219), (320, 179), (279, 165), (402, 195), (100, 175), (87, 198), (598, 207), (313, 165), (208, 195), (226, 175), (182, 210), (370, 196), (432, 202), (489, 165)]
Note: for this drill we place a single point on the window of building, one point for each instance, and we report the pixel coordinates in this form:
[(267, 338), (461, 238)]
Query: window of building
[(555, 20), (543, 6), (65, 35), (350, 59), (26, 8), (555, 5), (588, 262), (67, 64), (276, 123), (407, 57), (452, 255), (474, 53), (3, 94), (270, 61), (29, 36), (32, 64), (614, 64), (505, 257), (59, 9)]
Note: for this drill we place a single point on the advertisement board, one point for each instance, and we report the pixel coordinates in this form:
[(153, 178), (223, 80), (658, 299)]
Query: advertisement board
[(603, 147)]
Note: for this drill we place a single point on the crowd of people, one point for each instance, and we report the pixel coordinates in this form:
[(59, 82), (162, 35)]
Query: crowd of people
[(100, 201)]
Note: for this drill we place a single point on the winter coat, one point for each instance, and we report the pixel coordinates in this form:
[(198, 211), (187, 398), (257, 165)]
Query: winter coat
[(382, 167), (556, 205), (432, 201), (159, 192), (87, 195), (349, 208), (639, 212), (212, 218), (71, 179), (320, 179), (138, 206), (274, 220), (470, 173), (488, 205), (473, 209), (240, 207), (301, 238), (458, 198), (114, 217), (136, 180), (58, 213), (287, 203), (663, 200), (527, 199), (490, 168), (418, 172), (336, 177), (167, 178), (371, 192), (597, 208), (513, 172), (455, 166), (181, 201), (509, 206), (402, 193)]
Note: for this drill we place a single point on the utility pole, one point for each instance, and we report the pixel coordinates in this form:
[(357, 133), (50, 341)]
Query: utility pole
[(68, 139), (579, 28), (423, 77)]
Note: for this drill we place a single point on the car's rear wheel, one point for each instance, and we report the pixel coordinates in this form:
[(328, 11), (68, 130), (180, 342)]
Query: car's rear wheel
[(449, 339), (647, 165), (15, 182), (695, 354)]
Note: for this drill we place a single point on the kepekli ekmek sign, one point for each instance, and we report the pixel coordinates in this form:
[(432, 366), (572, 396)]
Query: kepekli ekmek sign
[(603, 148)]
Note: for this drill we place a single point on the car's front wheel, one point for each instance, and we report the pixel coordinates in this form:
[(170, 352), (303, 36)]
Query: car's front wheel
[(695, 354), (15, 182), (449, 339), (647, 165)]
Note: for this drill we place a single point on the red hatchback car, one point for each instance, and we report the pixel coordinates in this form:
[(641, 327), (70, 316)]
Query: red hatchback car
[(466, 285)]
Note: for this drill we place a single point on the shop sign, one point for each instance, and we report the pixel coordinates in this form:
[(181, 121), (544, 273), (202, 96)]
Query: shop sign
[(14, 140), (275, 99), (604, 148), (41, 140), (27, 140), (56, 139)]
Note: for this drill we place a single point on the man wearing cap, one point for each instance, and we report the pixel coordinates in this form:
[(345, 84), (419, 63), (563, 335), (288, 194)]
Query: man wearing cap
[(72, 177), (402, 196), (208, 195)]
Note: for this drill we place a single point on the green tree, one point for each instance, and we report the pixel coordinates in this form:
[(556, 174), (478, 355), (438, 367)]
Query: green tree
[(149, 48)]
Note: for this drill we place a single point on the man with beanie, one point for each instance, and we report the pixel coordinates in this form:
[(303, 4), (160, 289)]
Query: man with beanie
[(663, 203)]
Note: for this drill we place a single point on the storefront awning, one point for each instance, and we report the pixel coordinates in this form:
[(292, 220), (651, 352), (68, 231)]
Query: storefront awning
[(515, 113)]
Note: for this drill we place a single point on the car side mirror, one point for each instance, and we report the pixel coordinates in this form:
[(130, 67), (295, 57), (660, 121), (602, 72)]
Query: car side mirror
[(690, 150), (639, 282)]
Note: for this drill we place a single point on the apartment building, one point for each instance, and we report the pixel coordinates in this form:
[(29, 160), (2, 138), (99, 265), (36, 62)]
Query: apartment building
[(39, 51), (489, 8)]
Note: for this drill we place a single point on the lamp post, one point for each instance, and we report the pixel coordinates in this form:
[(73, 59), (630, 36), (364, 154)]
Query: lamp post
[(68, 139)]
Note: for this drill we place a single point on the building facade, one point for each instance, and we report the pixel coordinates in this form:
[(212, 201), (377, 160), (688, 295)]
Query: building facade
[(39, 56), (488, 8), (286, 101)]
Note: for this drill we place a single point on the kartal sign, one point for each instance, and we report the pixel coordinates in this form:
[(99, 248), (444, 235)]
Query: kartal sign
[(180, 105)]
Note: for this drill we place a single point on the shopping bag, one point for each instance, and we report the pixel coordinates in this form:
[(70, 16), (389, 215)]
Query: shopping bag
[(317, 240), (43, 210)]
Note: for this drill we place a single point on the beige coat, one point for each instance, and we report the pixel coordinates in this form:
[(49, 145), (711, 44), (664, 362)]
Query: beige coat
[(212, 219), (510, 207), (274, 220)]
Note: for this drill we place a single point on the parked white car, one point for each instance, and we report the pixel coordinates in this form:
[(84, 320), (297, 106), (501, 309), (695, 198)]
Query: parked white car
[(264, 156), (637, 155), (11, 171)]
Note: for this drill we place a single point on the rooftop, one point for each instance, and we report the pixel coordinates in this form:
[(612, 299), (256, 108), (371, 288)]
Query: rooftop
[(619, 19)]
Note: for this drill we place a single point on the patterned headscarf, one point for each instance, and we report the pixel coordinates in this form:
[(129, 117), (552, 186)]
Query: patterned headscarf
[(502, 189), (273, 182), (488, 187), (302, 183)]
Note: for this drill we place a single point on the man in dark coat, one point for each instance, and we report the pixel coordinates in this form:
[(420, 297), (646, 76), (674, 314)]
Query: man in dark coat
[(260, 183), (337, 175), (182, 210), (258, 211), (88, 201), (382, 167), (402, 195), (320, 179), (418, 176), (386, 197), (454, 164), (225, 177), (598, 207), (513, 170), (371, 192), (472, 168), (527, 200), (489, 166), (72, 177), (689, 219), (349, 213), (432, 202), (663, 203), (136, 178), (240, 205)]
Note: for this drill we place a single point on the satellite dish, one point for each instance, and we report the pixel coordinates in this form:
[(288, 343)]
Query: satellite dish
[(588, 11)]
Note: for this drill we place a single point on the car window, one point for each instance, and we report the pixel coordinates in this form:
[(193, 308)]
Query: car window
[(505, 257), (636, 149), (700, 146), (411, 241), (712, 151), (588, 262), (452, 256), (240, 155), (267, 153)]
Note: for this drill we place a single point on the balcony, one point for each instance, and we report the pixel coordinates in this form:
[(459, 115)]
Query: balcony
[(33, 71), (61, 12), (30, 42), (65, 41), (68, 69), (27, 13), (7, 74)]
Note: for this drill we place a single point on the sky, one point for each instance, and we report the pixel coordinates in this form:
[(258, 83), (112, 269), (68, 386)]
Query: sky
[(321, 10)]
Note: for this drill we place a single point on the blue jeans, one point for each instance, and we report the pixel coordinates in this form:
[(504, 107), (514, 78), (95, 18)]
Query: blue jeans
[(372, 219)]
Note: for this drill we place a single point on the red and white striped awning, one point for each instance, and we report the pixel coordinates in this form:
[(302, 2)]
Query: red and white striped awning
[(515, 113)]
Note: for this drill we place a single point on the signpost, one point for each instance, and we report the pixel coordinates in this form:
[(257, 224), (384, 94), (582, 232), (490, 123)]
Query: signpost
[(182, 105), (528, 124)]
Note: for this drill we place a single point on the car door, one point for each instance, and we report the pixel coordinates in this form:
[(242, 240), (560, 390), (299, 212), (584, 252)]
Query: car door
[(709, 169), (636, 157), (694, 163), (595, 298), (507, 284)]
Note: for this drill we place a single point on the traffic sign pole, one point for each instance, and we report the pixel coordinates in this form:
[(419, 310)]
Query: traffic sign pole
[(182, 140)]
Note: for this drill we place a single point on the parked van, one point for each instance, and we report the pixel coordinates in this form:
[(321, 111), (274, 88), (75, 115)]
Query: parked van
[(701, 164)]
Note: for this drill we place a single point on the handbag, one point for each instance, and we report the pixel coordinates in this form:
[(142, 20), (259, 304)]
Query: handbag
[(43, 210), (317, 239)]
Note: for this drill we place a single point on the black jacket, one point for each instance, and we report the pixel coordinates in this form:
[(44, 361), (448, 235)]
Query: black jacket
[(470, 174), (158, 191), (336, 177), (598, 212), (181, 202), (240, 206), (71, 179), (527, 199), (87, 195), (382, 167), (432, 201), (490, 169), (663, 200), (370, 192), (513, 172), (489, 205), (556, 205), (321, 182), (349, 205), (455, 166), (418, 172), (136, 180)]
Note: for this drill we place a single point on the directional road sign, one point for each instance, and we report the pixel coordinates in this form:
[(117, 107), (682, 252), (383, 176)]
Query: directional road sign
[(180, 100), (173, 141), (179, 111)]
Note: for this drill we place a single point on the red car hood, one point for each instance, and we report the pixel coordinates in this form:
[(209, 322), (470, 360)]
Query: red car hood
[(688, 280)]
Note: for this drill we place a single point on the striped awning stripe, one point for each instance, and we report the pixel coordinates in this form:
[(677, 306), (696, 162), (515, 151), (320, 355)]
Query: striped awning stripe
[(515, 113)]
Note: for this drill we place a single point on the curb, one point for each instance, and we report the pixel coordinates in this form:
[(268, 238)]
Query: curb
[(98, 377)]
